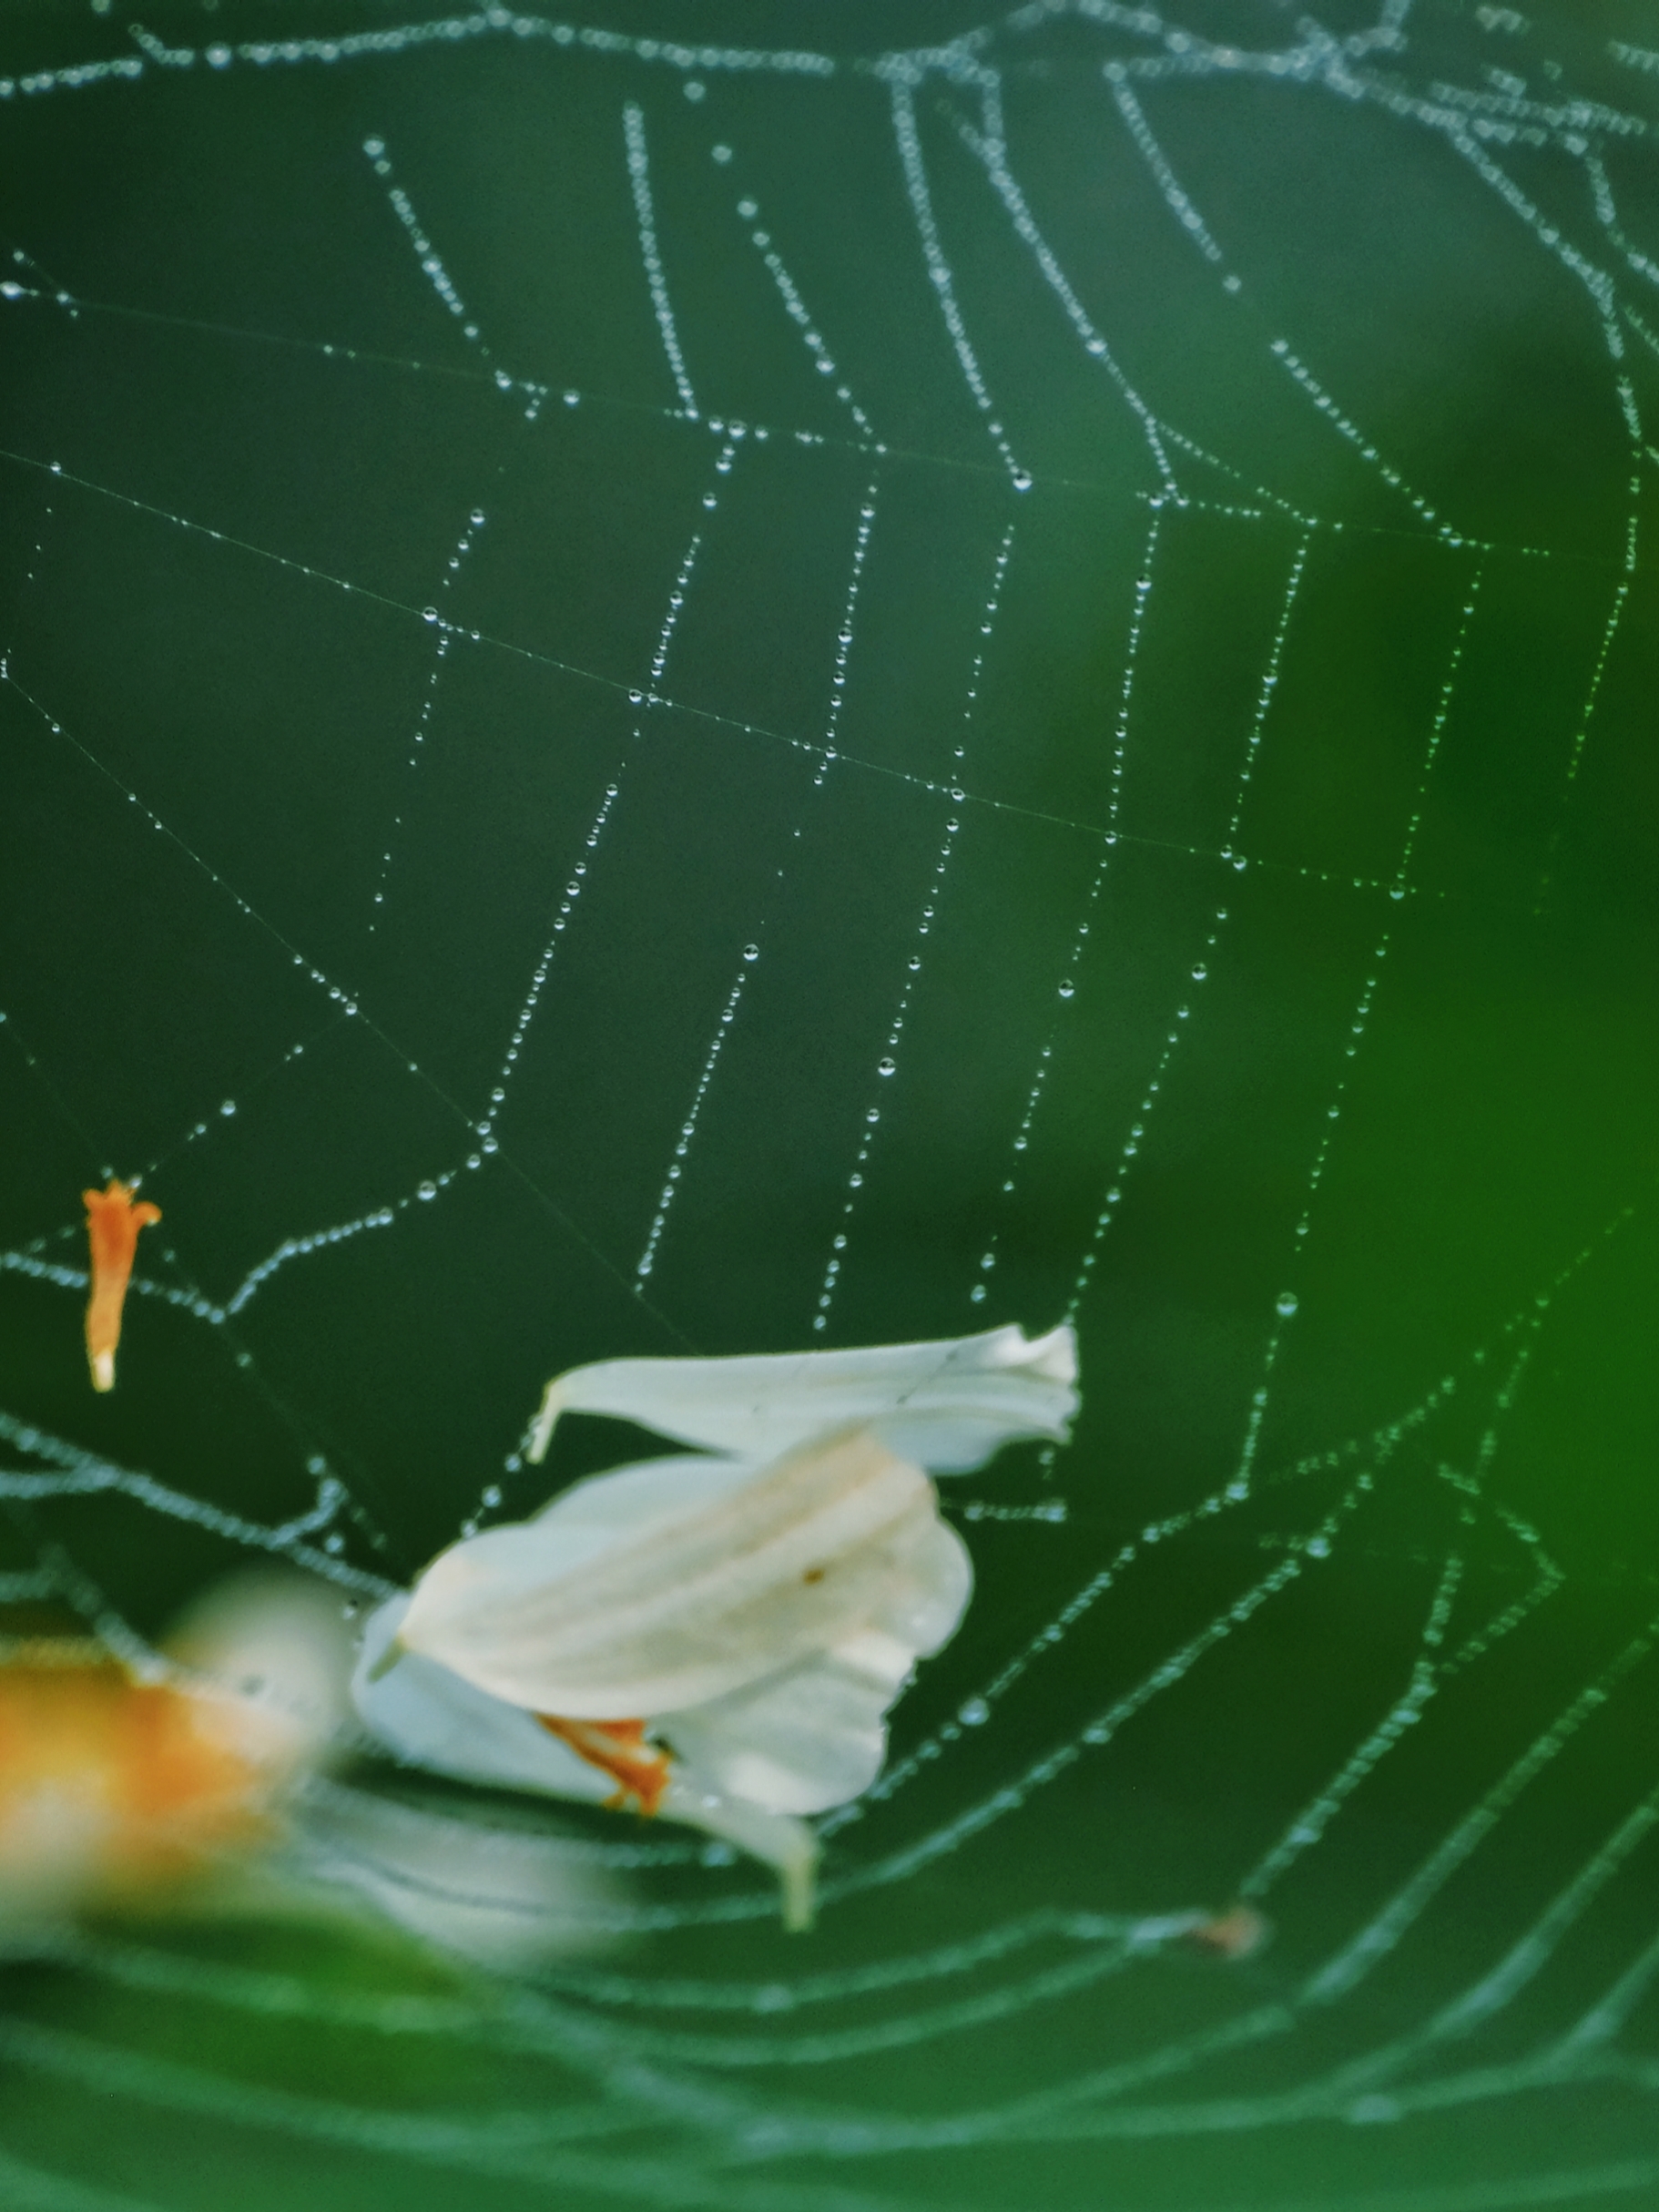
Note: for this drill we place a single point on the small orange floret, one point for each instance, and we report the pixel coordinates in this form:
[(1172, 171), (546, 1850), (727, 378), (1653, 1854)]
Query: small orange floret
[(112, 1789), (618, 1748), (113, 1222)]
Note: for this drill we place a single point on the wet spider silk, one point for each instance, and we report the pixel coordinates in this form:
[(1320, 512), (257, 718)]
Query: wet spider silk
[(844, 683)]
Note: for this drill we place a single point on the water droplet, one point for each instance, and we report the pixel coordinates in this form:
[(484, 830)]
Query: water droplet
[(1199, 973), (1286, 1303), (751, 951), (427, 1190), (1022, 479), (492, 1496), (1320, 1546), (974, 1713), (229, 1107), (477, 518), (915, 962), (1067, 989), (887, 1067), (475, 1159), (429, 614)]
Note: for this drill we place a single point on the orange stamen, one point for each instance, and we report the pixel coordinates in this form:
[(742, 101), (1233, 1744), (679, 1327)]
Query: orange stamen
[(618, 1748), (113, 1222)]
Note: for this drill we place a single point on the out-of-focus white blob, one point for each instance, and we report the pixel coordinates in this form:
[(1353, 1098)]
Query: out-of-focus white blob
[(267, 1656), (199, 1790), (499, 1897), (716, 1637), (946, 1405)]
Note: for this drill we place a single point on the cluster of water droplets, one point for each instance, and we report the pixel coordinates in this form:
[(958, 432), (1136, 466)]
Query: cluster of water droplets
[(823, 360), (886, 1065)]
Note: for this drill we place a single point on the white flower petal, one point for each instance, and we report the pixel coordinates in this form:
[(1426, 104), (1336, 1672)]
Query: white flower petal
[(430, 1717), (799, 1742), (775, 1839), (814, 1734), (946, 1405), (670, 1609), (609, 1508), (741, 1622)]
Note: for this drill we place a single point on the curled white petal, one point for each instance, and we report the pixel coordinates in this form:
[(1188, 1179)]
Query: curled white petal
[(624, 1598), (946, 1405)]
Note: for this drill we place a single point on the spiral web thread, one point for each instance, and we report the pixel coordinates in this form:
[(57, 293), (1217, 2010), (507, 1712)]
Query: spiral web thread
[(720, 2079)]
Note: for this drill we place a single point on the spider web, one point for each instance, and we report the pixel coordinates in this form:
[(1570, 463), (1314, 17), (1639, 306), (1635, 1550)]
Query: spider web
[(716, 695)]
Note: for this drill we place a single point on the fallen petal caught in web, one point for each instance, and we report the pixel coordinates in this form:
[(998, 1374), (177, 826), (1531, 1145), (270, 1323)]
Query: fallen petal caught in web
[(627, 1599), (946, 1405), (718, 1639)]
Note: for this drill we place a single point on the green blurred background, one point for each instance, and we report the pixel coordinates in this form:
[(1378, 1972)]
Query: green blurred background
[(1228, 553)]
